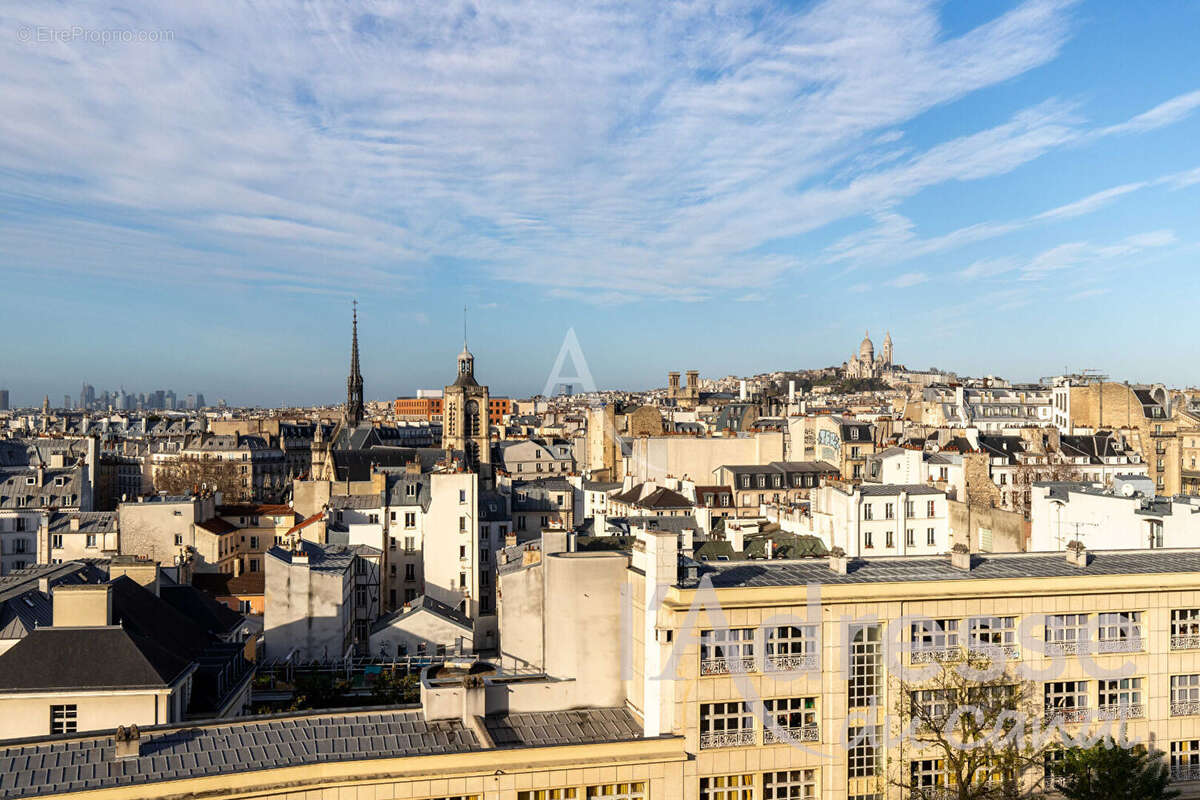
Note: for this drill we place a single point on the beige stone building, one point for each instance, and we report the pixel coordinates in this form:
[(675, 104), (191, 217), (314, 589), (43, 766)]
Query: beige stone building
[(465, 425)]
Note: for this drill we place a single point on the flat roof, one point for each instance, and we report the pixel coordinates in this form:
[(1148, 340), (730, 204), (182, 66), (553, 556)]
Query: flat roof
[(902, 569)]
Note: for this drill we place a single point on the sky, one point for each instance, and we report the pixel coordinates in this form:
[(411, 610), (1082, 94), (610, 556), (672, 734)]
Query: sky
[(191, 194)]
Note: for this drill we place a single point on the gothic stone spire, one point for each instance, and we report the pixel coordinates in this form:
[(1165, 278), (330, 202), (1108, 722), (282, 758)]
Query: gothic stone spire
[(354, 383)]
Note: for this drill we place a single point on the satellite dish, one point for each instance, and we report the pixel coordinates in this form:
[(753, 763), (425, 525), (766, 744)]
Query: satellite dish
[(1128, 490)]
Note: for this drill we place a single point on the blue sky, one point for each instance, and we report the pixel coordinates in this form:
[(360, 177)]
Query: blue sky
[(1010, 188)]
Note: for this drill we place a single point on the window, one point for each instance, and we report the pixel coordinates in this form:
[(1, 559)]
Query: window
[(462, 495), (1066, 634), (862, 757), (995, 631), (548, 794), (795, 718), (462, 551), (867, 513), (178, 539), (1185, 760), (410, 544), (724, 651), (889, 511), (909, 508), (462, 580), (762, 481), (1120, 632), (410, 519), (889, 540), (931, 706), (410, 595), (1120, 698), (930, 507), (1067, 699), (63, 719), (90, 540), (360, 597), (727, 787), (245, 606), (617, 791), (909, 538), (934, 640), (1185, 695), (792, 648), (410, 572), (254, 565), (1185, 628), (930, 537), (796, 784), (726, 724), (865, 665), (253, 542), (926, 774), (56, 541)]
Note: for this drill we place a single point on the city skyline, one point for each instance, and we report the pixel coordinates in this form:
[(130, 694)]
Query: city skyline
[(960, 174)]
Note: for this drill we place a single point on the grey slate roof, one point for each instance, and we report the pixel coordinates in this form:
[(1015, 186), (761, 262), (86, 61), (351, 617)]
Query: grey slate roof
[(894, 489), (935, 568), (89, 522), (425, 603), (71, 659), (328, 558), (58, 765), (579, 726)]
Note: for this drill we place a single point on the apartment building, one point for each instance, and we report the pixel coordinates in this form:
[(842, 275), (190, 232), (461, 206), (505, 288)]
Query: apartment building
[(776, 483), (841, 441), (1124, 516), (786, 678), (875, 519)]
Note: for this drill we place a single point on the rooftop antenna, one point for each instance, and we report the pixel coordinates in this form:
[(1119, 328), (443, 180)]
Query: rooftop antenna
[(464, 325)]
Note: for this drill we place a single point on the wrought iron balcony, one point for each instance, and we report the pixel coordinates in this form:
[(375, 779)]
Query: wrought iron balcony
[(1064, 648), (1185, 772), (1185, 641), (805, 733), (927, 654), (715, 739), (1131, 645), (1126, 711), (723, 665), (780, 662), (1185, 708), (1068, 715)]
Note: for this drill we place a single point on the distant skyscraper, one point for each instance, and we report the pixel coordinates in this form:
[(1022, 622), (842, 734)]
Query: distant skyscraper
[(169, 400), (3, 399), (199, 400), (66, 402)]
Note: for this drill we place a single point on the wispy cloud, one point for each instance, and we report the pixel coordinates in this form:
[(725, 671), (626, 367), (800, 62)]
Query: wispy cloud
[(908, 279)]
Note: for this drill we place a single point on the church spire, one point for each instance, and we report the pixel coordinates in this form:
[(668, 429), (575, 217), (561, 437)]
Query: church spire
[(354, 383)]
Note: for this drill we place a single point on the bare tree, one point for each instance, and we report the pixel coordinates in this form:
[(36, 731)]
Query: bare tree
[(968, 735), (185, 475)]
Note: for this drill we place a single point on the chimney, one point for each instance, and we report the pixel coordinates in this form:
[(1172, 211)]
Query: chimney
[(791, 391), (74, 523), (142, 571), (85, 605), (127, 742), (734, 534), (510, 540), (838, 561), (770, 549), (742, 390), (1077, 554), (960, 557)]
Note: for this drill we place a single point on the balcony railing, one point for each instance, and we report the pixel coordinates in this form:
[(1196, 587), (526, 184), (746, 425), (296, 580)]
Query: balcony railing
[(1131, 645), (1011, 652), (723, 665), (1125, 711), (1185, 641), (1064, 648), (1185, 772), (930, 654), (715, 739), (806, 733), (781, 662), (1068, 715), (1185, 708)]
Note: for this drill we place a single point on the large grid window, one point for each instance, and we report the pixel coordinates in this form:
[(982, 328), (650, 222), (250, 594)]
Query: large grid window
[(1185, 629), (792, 647), (1120, 632), (726, 724), (934, 640), (727, 787), (1066, 634), (1067, 699), (1185, 760), (866, 665), (1120, 698), (63, 719), (796, 718), (927, 773), (617, 791), (567, 793), (726, 650), (862, 755), (1052, 767), (1185, 695), (794, 784), (998, 632)]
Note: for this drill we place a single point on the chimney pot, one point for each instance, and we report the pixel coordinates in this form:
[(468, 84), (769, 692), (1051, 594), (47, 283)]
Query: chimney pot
[(839, 562), (960, 557), (127, 742), (1077, 554)]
